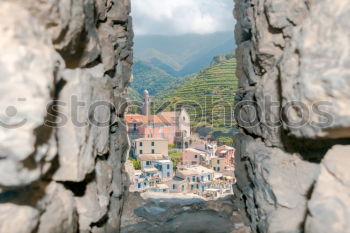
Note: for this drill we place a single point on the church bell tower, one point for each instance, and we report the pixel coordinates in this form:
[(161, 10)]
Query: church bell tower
[(146, 109)]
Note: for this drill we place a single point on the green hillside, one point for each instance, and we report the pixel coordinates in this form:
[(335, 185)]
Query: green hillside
[(150, 77), (209, 95), (134, 95), (135, 101)]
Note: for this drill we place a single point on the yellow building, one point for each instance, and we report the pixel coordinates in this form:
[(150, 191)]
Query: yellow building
[(151, 146)]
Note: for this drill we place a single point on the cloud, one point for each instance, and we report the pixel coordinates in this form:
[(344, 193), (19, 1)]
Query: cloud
[(171, 17)]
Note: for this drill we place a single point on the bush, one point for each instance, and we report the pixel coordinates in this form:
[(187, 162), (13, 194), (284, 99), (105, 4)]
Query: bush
[(225, 140), (136, 164)]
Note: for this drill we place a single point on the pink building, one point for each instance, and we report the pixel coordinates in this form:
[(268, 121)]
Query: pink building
[(193, 157), (228, 153), (153, 126), (173, 126)]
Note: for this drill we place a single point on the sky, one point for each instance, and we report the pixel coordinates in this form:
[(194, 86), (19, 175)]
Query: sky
[(176, 17)]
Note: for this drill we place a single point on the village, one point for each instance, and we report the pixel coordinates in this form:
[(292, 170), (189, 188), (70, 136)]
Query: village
[(205, 168)]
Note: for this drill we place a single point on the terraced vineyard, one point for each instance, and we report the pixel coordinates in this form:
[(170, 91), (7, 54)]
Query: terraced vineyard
[(209, 95)]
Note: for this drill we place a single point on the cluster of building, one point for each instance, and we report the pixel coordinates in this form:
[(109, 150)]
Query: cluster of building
[(206, 169), (219, 159)]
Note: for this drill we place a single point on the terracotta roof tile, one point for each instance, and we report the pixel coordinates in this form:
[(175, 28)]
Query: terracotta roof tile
[(135, 118)]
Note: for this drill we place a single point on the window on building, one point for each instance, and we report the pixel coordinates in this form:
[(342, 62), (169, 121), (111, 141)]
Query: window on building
[(168, 174), (214, 168), (197, 186), (134, 127), (174, 186), (202, 178), (188, 179), (152, 151), (193, 178), (195, 156), (164, 190), (218, 161), (140, 143), (139, 185), (184, 118), (192, 187), (148, 163), (140, 151), (183, 188), (218, 169), (168, 166), (152, 143), (145, 183), (208, 177)]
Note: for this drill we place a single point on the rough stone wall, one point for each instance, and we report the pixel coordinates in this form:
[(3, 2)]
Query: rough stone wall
[(179, 213), (293, 147), (64, 69)]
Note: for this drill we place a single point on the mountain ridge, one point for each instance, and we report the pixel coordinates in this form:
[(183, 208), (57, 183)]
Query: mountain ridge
[(181, 55)]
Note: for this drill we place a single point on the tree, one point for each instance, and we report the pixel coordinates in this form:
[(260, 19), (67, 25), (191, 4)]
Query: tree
[(176, 157)]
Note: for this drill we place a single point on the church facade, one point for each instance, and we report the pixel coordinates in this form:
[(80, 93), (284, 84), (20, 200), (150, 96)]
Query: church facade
[(173, 126)]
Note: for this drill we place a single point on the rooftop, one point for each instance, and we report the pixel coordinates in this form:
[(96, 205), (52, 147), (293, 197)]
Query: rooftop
[(201, 141), (168, 114), (164, 161), (150, 139), (194, 150), (152, 169), (195, 170), (225, 147), (151, 157), (160, 118)]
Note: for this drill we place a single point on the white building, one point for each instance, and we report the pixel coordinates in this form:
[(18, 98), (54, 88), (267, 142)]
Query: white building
[(160, 188), (162, 163), (197, 178), (140, 182), (165, 167)]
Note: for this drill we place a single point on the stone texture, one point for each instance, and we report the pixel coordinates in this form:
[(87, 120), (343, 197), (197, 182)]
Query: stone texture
[(27, 74), (64, 69), (318, 58), (265, 177), (16, 218), (292, 111), (58, 204), (89, 99), (329, 206), (180, 213)]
